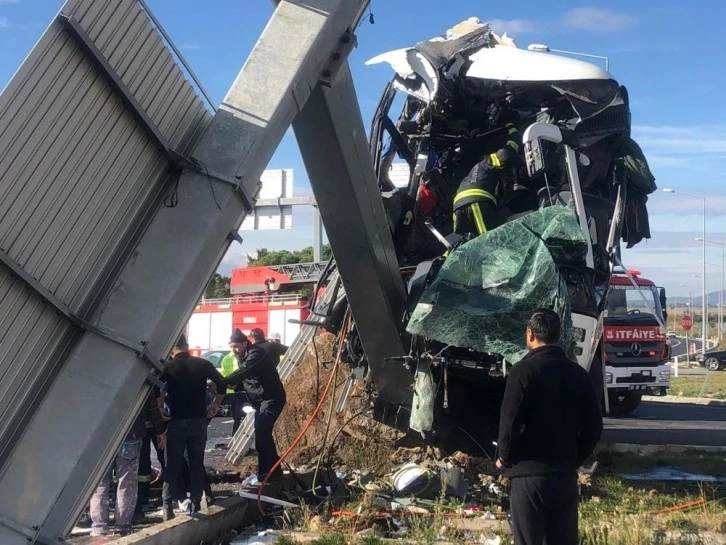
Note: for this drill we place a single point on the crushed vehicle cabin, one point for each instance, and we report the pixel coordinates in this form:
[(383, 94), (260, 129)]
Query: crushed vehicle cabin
[(576, 186)]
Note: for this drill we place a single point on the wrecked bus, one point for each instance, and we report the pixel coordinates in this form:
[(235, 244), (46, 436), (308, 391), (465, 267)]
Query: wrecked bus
[(578, 188)]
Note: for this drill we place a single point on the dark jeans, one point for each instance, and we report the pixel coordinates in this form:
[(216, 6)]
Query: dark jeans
[(181, 435), (544, 507), (266, 414)]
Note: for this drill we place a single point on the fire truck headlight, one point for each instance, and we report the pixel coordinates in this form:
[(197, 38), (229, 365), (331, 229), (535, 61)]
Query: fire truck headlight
[(608, 378), (664, 376)]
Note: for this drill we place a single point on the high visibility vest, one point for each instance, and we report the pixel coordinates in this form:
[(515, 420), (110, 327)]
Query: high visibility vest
[(229, 366)]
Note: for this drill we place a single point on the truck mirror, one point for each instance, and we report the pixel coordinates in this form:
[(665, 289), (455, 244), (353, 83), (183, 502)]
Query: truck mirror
[(663, 302)]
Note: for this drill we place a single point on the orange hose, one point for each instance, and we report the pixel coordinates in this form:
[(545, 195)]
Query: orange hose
[(681, 507), (310, 421)]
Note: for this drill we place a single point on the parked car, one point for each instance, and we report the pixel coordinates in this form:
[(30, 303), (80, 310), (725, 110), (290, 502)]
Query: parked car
[(216, 357), (671, 334), (713, 361)]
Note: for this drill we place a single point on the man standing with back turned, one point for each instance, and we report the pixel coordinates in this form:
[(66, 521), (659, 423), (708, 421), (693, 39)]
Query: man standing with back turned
[(550, 423), (186, 387)]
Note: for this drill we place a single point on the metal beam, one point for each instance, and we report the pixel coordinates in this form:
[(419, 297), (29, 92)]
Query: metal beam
[(77, 427), (331, 136)]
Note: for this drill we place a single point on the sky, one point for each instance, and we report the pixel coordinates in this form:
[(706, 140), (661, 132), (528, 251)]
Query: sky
[(669, 53)]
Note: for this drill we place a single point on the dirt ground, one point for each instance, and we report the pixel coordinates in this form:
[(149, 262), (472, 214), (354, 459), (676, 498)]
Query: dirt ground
[(353, 439)]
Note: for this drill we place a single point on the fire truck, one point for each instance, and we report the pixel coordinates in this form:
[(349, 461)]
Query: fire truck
[(261, 297), (636, 347)]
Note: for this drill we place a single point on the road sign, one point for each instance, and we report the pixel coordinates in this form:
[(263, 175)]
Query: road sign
[(686, 322)]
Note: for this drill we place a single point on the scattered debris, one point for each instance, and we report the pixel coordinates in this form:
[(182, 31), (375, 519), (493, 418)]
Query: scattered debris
[(670, 474)]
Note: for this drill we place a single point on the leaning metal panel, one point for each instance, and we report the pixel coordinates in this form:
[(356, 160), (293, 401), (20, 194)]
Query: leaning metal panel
[(81, 172), (142, 265)]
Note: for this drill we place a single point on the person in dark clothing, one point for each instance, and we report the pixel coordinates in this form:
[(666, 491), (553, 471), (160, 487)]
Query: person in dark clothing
[(186, 387), (257, 377), (274, 348), (153, 431), (550, 423)]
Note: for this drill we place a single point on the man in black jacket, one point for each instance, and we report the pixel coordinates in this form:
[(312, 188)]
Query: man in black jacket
[(186, 390), (257, 376), (272, 346), (550, 423)]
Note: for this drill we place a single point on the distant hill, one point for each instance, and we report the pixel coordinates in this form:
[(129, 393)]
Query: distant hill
[(711, 298)]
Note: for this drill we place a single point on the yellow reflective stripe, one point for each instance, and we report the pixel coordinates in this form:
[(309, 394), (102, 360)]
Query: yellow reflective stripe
[(144, 478), (513, 144), (455, 221), (512, 130), (478, 218), (474, 193), (496, 163)]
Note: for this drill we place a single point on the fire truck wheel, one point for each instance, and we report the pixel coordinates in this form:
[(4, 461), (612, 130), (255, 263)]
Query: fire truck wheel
[(623, 402)]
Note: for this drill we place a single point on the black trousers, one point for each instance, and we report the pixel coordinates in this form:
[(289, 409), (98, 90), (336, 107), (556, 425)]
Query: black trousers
[(145, 466), (544, 508), (190, 436), (266, 414)]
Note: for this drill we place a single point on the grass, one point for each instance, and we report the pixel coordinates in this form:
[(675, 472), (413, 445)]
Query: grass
[(621, 513), (694, 461), (692, 386)]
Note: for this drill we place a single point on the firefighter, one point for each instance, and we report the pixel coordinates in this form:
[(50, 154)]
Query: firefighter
[(475, 203)]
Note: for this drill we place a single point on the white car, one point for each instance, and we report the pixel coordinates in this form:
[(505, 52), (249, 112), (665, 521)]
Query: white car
[(671, 334)]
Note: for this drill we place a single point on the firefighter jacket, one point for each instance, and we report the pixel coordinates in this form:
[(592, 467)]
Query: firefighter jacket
[(485, 183)]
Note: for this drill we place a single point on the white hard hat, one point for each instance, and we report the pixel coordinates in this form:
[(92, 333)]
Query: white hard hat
[(275, 336)]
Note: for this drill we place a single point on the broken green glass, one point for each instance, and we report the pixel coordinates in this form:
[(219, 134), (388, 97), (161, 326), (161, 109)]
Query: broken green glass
[(488, 288)]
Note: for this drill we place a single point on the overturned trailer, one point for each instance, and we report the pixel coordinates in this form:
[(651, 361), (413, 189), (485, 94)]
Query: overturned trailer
[(578, 187)]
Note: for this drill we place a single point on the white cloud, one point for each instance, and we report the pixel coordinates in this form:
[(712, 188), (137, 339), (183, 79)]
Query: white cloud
[(4, 23), (512, 27), (597, 20), (701, 139)]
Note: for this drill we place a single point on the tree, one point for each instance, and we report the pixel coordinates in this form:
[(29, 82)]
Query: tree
[(266, 258), (218, 287)]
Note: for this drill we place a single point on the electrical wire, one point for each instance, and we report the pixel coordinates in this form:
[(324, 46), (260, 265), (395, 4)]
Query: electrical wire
[(305, 428)]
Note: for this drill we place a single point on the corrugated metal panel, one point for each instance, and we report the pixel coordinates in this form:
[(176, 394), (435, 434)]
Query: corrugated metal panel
[(78, 175)]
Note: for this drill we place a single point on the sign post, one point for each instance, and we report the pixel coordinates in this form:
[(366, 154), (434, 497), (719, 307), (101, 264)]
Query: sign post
[(686, 324)]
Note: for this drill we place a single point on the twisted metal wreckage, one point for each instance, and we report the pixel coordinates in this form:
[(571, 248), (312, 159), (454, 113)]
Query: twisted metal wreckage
[(115, 167)]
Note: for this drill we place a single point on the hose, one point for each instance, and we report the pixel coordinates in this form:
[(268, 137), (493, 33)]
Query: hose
[(307, 425)]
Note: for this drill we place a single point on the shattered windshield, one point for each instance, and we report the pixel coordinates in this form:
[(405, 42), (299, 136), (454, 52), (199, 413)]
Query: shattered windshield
[(626, 302), (488, 288)]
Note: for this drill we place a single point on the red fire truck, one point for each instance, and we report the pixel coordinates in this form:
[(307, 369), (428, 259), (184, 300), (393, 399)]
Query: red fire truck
[(636, 346), (262, 297)]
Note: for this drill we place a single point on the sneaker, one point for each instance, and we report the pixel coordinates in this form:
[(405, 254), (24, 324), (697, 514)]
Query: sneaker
[(124, 531), (187, 507), (98, 532)]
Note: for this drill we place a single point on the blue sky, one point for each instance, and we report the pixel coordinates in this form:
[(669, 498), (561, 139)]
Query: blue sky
[(670, 55)]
